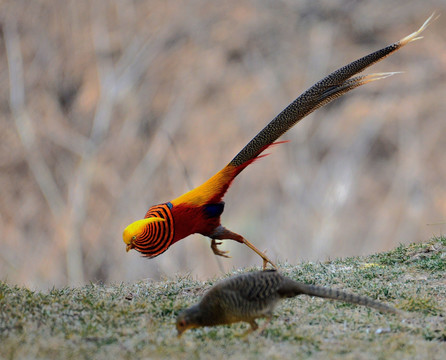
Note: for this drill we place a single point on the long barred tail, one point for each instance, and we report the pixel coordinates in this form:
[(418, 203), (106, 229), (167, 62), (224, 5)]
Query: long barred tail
[(328, 293), (329, 88)]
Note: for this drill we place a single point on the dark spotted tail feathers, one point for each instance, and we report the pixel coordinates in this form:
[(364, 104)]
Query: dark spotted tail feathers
[(326, 90)]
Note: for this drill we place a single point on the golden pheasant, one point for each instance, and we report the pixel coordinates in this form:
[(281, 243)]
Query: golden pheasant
[(254, 295), (199, 210)]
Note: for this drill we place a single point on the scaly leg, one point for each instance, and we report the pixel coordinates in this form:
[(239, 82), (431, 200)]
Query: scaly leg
[(267, 321), (254, 326), (266, 260)]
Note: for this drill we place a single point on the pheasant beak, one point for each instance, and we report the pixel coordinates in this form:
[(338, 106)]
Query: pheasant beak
[(184, 322), (182, 330), (129, 247)]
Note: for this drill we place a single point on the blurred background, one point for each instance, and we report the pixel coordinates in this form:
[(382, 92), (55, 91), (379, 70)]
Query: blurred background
[(109, 107)]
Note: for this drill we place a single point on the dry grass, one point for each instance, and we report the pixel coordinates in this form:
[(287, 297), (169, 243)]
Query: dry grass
[(137, 320), (107, 107)]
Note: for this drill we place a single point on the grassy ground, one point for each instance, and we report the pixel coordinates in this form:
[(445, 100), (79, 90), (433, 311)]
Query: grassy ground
[(137, 320)]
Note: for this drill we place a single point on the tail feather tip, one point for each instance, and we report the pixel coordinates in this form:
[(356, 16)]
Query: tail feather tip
[(414, 36), (379, 76)]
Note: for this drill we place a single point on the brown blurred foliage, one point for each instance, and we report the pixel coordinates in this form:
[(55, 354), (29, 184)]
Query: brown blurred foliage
[(108, 107)]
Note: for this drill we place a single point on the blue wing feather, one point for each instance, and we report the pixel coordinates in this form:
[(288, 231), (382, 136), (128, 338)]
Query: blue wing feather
[(214, 210)]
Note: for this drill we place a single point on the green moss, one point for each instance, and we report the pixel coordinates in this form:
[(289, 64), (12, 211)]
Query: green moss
[(397, 256), (425, 305)]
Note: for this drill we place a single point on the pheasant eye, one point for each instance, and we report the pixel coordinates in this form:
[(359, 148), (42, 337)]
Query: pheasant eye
[(134, 237), (182, 323)]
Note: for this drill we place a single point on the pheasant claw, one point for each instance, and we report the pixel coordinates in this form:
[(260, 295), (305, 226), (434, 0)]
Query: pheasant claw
[(216, 250)]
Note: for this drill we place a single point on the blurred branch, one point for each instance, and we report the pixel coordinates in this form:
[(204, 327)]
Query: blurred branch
[(157, 149), (24, 124), (4, 258), (68, 139), (149, 164), (115, 81), (79, 190), (180, 161), (339, 172)]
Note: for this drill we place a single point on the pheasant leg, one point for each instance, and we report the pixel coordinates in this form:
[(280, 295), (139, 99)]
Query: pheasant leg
[(221, 233)]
